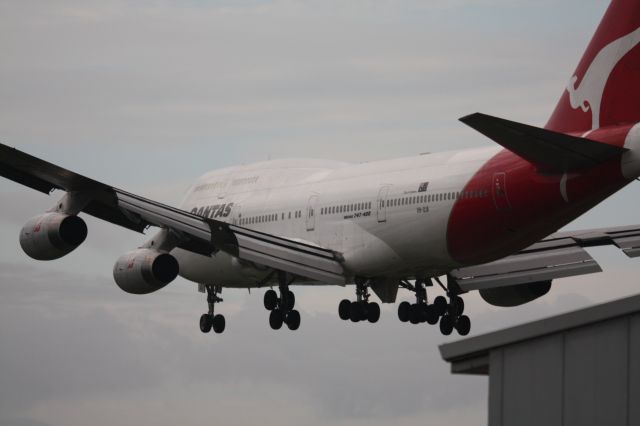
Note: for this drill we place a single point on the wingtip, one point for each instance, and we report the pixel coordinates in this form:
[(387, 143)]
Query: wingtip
[(467, 118)]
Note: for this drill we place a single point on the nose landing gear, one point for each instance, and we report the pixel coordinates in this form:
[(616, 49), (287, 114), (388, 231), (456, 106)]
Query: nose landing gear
[(281, 308), (360, 309), (210, 320)]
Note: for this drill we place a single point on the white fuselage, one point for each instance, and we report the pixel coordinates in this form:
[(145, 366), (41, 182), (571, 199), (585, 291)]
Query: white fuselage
[(387, 218)]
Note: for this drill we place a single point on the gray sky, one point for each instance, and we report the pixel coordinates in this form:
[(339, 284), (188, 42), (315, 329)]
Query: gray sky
[(147, 95)]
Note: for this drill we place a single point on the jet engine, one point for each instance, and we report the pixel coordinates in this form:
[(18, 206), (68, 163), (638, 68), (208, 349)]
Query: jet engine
[(515, 295), (144, 271), (52, 235)]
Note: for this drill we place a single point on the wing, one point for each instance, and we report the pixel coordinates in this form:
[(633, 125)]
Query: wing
[(557, 256), (197, 234)]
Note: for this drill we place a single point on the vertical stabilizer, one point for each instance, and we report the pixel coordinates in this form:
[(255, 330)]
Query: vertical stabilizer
[(605, 87)]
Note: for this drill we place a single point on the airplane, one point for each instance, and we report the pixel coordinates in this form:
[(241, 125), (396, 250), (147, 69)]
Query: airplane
[(487, 219)]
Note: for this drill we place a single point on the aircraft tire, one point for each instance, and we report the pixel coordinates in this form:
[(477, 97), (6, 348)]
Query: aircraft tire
[(440, 303), (373, 312), (403, 311), (446, 324), (205, 323), (456, 307), (431, 314), (275, 319), (293, 320), (463, 325), (218, 323), (344, 309), (291, 300), (415, 314), (355, 312), (270, 300)]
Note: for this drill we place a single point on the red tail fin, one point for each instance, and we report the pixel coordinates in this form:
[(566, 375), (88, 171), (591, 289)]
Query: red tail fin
[(605, 88)]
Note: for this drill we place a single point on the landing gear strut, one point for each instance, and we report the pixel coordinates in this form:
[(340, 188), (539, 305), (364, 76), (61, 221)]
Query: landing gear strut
[(281, 308), (360, 309), (449, 313), (210, 320)]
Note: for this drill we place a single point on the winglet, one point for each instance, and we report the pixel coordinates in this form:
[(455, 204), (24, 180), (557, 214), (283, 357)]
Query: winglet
[(552, 150)]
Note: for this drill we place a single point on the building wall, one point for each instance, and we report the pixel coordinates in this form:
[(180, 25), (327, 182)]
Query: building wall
[(584, 376)]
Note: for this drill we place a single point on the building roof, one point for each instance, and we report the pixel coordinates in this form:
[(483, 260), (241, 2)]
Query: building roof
[(471, 356)]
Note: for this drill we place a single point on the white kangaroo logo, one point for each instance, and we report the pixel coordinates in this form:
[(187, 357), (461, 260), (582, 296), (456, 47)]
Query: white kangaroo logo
[(589, 94)]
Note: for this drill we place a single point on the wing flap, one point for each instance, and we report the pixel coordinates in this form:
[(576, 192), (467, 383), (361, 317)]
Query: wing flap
[(552, 150), (559, 255), (525, 268)]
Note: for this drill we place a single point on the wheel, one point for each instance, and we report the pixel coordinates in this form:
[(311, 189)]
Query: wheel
[(463, 325), (293, 320), (218, 323), (355, 311), (423, 312), (415, 314), (373, 312), (446, 324), (364, 310), (205, 323), (290, 300), (275, 319), (344, 309), (440, 303), (432, 314), (270, 300), (403, 311), (456, 306)]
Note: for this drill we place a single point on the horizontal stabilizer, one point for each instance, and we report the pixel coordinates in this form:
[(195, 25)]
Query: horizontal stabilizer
[(552, 150)]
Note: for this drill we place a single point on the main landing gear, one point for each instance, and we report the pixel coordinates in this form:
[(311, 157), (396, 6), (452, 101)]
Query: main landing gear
[(282, 307), (210, 320), (449, 313), (360, 309)]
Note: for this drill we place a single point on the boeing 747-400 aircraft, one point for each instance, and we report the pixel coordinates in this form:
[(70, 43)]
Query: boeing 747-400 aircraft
[(486, 219)]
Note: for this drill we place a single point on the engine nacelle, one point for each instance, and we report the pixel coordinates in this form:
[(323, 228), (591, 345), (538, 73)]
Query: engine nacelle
[(515, 295), (144, 271), (52, 235)]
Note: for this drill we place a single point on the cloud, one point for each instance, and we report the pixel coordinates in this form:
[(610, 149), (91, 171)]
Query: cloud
[(70, 340)]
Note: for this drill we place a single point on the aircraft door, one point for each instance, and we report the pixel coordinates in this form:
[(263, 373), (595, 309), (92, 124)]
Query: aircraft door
[(236, 214), (382, 203), (499, 192), (311, 213)]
